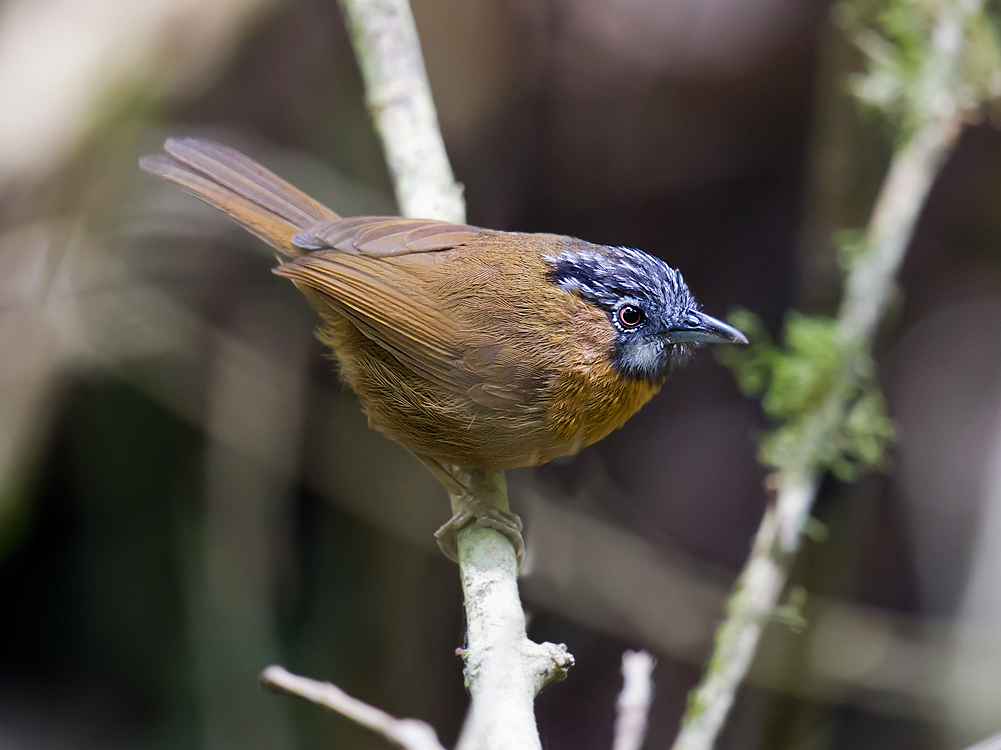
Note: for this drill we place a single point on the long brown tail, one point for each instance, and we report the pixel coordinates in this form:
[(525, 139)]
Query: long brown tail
[(258, 199)]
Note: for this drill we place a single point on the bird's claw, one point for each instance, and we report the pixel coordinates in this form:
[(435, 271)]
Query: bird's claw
[(505, 522)]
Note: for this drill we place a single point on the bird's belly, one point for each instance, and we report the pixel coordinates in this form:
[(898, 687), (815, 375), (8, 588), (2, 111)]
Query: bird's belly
[(575, 408), (456, 430)]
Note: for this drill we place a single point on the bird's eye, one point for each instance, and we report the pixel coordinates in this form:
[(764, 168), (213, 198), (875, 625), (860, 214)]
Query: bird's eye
[(630, 316)]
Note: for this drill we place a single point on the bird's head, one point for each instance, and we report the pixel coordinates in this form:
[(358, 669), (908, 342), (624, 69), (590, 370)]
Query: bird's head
[(656, 321)]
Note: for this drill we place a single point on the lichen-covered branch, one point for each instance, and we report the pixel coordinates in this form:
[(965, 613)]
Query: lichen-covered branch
[(398, 94), (504, 669), (749, 609), (827, 428)]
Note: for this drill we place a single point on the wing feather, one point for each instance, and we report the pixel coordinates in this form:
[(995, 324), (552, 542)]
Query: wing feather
[(233, 170), (408, 325), (385, 236), (427, 335), (269, 226), (363, 272)]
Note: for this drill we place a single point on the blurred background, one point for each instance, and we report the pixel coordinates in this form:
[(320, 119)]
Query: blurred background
[(187, 493)]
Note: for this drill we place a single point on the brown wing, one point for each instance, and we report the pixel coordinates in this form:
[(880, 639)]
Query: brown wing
[(377, 278), (383, 301), (366, 269), (385, 236)]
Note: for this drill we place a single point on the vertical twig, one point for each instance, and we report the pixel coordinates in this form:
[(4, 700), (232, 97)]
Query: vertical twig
[(398, 94), (869, 289), (633, 707)]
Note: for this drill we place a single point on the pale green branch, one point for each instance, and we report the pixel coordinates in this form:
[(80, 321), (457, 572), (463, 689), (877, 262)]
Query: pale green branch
[(399, 99), (869, 290)]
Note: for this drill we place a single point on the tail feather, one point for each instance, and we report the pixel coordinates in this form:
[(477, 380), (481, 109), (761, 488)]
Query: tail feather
[(258, 199)]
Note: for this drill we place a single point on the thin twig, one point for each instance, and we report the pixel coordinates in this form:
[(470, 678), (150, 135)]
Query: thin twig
[(398, 94), (408, 733), (869, 290), (633, 706)]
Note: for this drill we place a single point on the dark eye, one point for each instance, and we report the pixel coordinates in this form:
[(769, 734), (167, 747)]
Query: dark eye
[(630, 316)]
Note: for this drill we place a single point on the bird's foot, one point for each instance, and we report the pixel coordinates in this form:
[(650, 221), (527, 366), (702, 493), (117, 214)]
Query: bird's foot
[(505, 522), (472, 510)]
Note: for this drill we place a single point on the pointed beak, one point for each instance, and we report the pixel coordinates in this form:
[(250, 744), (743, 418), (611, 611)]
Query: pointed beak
[(704, 329)]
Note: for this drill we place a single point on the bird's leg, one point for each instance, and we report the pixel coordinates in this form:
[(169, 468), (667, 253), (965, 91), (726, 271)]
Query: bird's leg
[(469, 508), (503, 521)]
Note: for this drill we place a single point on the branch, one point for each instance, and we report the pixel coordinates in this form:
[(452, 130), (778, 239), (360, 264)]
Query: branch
[(407, 733), (869, 290), (504, 669), (398, 94), (633, 706)]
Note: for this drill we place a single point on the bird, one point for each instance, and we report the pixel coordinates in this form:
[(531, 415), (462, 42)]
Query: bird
[(471, 347)]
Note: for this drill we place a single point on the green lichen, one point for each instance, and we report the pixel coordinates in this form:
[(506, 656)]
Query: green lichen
[(822, 395), (851, 245), (790, 614), (695, 706), (896, 38), (815, 530)]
